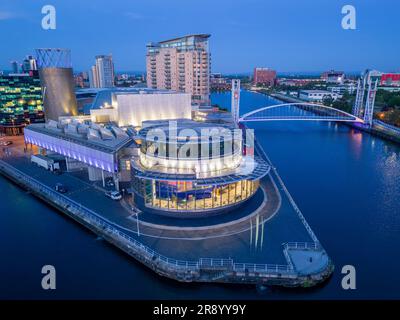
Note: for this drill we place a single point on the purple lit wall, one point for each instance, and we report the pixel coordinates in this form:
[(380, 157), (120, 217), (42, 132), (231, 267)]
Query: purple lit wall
[(90, 156)]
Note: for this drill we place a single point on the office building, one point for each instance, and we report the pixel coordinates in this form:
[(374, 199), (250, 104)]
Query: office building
[(264, 77), (332, 76), (20, 102), (181, 64), (184, 177), (102, 73), (29, 64), (165, 177), (14, 67), (317, 95), (390, 79)]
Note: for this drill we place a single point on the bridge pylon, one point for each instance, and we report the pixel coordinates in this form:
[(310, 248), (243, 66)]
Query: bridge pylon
[(358, 104), (235, 100), (364, 106)]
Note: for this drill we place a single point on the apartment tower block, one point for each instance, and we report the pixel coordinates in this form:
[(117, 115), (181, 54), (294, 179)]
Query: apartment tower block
[(181, 64)]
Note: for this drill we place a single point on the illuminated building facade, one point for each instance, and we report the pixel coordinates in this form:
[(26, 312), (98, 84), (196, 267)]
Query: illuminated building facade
[(20, 102), (193, 175), (131, 107)]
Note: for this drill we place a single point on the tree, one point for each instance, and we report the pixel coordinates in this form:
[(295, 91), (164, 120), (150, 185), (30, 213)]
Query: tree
[(327, 100), (394, 101)]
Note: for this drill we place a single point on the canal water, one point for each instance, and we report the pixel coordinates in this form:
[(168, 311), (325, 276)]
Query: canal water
[(346, 183)]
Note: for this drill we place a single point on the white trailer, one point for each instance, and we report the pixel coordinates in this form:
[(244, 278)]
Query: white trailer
[(44, 162)]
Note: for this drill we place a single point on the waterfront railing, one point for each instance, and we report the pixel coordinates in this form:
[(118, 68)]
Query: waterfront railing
[(261, 151), (145, 252), (387, 127)]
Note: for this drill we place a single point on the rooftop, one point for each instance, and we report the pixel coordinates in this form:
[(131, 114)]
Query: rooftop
[(106, 138), (316, 91), (104, 95), (200, 35), (182, 127)]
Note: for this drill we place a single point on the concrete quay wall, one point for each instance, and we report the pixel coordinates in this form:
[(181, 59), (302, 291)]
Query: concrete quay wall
[(204, 270)]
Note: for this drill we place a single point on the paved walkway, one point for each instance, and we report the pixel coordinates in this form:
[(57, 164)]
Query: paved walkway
[(255, 239)]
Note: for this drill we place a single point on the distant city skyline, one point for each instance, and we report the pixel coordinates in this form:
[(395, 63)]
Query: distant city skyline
[(286, 36)]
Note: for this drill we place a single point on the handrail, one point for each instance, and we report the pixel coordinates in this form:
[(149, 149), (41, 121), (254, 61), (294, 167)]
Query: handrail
[(149, 254), (342, 115), (289, 196), (386, 126)]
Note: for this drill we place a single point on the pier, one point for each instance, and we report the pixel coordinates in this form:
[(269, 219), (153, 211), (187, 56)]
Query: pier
[(273, 245)]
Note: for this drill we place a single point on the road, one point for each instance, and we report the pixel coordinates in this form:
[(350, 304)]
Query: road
[(256, 238)]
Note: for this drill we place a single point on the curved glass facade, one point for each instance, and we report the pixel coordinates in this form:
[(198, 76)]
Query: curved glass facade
[(186, 196), (201, 150), (192, 173)]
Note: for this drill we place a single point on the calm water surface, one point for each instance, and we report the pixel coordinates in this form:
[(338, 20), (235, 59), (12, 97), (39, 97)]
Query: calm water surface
[(346, 183)]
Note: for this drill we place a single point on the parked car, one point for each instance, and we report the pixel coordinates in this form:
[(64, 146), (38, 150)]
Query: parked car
[(115, 195), (61, 188)]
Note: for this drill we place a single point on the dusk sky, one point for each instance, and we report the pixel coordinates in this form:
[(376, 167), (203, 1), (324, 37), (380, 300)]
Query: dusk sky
[(287, 35)]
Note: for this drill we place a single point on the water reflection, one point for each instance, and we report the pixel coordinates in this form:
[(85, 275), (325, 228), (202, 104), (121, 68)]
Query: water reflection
[(356, 138), (257, 232)]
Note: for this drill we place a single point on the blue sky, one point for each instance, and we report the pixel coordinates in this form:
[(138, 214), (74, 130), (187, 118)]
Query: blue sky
[(287, 35)]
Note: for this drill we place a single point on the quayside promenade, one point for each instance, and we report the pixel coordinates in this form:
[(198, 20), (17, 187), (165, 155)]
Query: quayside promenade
[(268, 242)]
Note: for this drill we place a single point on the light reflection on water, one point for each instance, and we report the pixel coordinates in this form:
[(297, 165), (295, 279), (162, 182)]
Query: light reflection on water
[(346, 183)]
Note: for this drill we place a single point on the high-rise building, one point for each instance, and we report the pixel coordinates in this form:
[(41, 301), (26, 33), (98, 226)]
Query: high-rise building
[(102, 73), (181, 64), (93, 79), (264, 76), (29, 64), (14, 67), (20, 102)]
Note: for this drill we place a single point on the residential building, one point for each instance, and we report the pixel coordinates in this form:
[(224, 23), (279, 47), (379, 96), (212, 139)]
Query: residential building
[(264, 76), (102, 73), (219, 83), (181, 64)]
